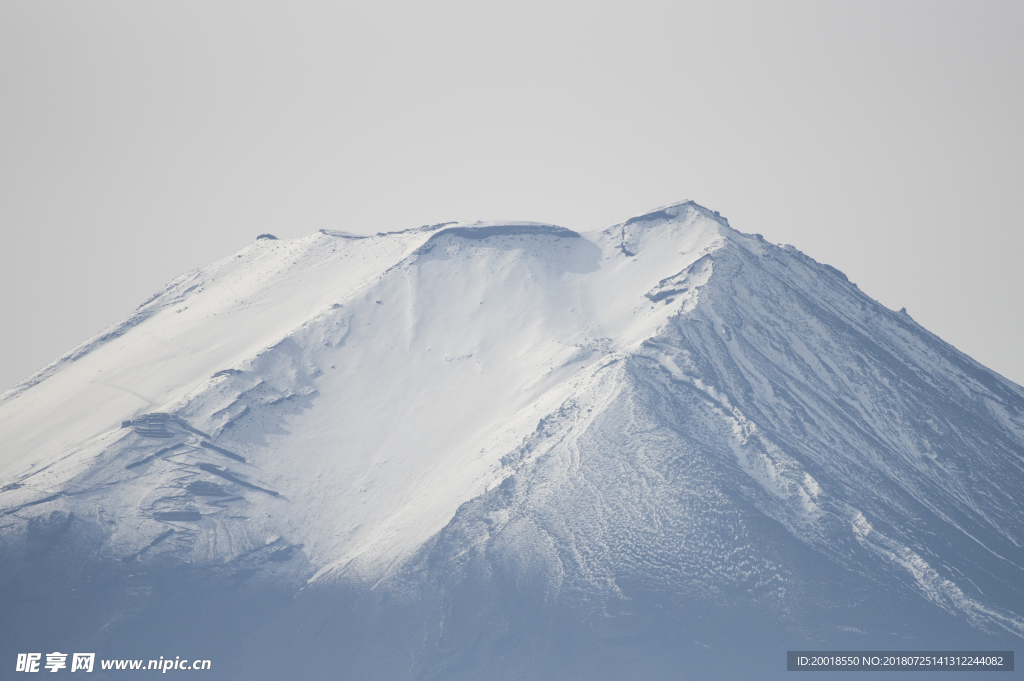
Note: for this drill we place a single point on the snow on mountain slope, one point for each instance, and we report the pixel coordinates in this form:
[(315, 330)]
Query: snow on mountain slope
[(667, 416), (202, 322), (483, 323), (783, 394)]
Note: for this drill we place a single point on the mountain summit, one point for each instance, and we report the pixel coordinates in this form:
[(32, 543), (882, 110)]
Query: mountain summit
[(510, 450)]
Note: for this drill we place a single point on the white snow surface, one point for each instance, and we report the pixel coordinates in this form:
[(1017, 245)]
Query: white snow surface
[(375, 385), (430, 356)]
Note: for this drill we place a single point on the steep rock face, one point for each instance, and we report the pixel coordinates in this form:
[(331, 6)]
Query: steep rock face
[(515, 451)]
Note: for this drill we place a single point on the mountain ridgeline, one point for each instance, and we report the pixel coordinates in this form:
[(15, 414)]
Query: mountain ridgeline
[(663, 450)]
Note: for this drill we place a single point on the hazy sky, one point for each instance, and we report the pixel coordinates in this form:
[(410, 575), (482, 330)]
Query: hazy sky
[(142, 139)]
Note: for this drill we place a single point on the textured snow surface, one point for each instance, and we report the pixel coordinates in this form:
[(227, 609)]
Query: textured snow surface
[(664, 419)]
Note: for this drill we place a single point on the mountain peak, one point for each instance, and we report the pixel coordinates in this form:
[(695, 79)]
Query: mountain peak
[(675, 211), (649, 434)]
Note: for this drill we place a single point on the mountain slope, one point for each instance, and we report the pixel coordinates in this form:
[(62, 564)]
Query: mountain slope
[(514, 451)]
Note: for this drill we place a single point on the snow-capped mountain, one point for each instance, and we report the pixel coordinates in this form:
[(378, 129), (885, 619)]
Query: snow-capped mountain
[(509, 450)]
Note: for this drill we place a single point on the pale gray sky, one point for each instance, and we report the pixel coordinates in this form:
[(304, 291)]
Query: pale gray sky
[(142, 139)]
